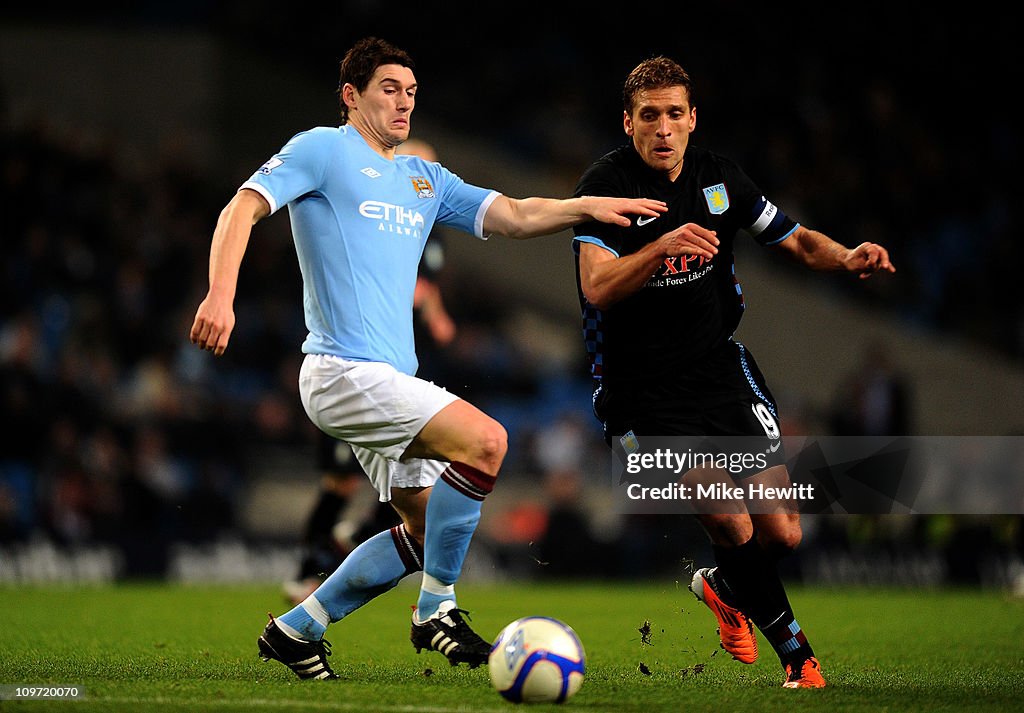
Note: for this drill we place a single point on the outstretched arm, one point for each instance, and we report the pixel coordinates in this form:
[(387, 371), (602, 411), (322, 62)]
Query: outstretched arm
[(820, 252), (215, 317), (533, 217)]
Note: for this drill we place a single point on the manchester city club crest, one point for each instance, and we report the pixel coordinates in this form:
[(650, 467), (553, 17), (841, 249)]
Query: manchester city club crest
[(423, 187), (717, 198)]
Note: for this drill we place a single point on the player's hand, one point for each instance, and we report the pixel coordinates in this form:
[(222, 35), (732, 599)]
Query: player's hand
[(690, 239), (617, 210), (212, 326), (868, 258)]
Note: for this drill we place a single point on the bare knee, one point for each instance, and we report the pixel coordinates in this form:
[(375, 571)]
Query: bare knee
[(780, 538), (730, 530), (490, 445), (789, 541), (462, 433)]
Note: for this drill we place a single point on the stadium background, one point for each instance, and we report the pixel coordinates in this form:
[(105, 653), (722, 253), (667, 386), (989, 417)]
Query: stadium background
[(125, 453)]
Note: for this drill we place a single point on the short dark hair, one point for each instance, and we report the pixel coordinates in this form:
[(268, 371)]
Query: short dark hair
[(655, 73), (362, 60)]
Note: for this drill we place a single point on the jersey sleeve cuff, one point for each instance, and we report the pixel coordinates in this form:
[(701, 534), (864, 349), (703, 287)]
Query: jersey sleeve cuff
[(595, 241), (252, 185), (478, 222), (779, 240)]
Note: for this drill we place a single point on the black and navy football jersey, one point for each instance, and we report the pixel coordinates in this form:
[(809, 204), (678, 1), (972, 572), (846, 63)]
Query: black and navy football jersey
[(691, 306)]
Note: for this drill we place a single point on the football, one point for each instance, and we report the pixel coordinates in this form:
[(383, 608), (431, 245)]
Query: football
[(537, 659)]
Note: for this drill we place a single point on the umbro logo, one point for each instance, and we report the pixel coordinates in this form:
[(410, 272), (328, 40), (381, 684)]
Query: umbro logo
[(645, 219), (371, 172)]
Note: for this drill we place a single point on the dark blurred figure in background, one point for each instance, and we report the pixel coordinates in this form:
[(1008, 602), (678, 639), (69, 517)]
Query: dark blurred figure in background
[(876, 399)]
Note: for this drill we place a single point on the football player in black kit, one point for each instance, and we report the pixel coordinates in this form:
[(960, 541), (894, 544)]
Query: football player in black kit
[(661, 302)]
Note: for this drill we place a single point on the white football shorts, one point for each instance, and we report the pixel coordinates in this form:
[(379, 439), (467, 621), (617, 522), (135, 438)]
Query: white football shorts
[(378, 411)]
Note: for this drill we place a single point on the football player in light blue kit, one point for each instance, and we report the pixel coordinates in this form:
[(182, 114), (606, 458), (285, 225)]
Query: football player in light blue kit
[(360, 215)]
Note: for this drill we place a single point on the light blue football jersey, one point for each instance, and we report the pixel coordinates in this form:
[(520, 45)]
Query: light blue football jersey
[(360, 222)]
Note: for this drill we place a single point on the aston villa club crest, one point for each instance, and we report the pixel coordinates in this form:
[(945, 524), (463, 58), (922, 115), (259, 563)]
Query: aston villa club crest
[(717, 198), (422, 187), (630, 443)]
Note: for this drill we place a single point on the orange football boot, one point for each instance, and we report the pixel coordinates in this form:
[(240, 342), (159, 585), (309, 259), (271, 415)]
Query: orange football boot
[(807, 676), (735, 629)]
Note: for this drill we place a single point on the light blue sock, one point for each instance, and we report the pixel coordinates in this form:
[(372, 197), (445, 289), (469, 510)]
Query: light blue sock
[(371, 569), (453, 512)]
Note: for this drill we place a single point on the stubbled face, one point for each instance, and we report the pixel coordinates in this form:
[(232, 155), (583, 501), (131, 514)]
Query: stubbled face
[(660, 125), (382, 112)]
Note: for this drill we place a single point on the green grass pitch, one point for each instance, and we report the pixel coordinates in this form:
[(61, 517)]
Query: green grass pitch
[(162, 647)]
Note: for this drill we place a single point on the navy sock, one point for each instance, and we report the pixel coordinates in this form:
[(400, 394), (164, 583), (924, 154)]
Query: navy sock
[(749, 578), (738, 573), (788, 639)]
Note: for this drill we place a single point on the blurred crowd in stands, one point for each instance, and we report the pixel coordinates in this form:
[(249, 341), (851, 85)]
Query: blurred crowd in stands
[(117, 431)]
